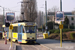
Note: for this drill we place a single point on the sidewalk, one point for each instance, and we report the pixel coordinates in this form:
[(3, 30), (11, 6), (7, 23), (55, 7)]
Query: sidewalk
[(7, 46), (55, 44)]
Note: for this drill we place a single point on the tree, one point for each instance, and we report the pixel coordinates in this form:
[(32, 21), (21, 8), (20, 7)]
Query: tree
[(40, 19), (50, 25), (17, 18), (21, 17), (30, 10), (53, 9), (66, 21)]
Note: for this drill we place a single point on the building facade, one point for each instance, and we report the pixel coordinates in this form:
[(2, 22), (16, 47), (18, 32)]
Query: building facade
[(70, 16), (71, 19), (1, 22)]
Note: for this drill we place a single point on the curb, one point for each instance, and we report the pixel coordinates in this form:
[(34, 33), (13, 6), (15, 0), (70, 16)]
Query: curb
[(45, 46), (36, 47), (14, 47)]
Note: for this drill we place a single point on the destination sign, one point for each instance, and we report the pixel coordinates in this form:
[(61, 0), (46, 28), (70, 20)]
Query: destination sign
[(29, 24)]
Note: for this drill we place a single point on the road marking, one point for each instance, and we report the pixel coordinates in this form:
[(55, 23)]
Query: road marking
[(36, 48), (14, 47), (30, 46), (46, 46), (65, 47), (10, 47)]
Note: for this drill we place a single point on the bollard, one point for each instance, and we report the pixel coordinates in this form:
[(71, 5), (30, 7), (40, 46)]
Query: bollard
[(5, 38)]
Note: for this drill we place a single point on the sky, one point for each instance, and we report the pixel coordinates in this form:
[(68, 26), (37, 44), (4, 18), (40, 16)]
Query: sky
[(67, 5), (15, 5)]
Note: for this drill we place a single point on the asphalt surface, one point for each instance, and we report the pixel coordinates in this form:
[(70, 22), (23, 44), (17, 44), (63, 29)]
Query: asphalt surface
[(31, 47), (45, 44), (55, 44), (7, 46)]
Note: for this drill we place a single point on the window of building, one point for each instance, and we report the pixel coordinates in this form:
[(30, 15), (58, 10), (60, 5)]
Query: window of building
[(72, 24), (72, 18)]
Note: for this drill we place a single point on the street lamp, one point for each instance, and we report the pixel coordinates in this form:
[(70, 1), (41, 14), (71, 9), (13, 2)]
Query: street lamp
[(3, 14), (46, 15), (60, 5), (61, 24), (42, 22)]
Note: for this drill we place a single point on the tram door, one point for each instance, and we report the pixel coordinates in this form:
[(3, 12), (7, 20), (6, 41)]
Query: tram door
[(20, 33)]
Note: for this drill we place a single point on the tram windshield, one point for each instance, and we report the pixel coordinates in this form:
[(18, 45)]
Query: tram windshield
[(30, 29)]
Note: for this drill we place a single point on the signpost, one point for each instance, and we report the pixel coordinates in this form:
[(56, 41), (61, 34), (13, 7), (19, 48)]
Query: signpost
[(10, 18), (11, 26), (61, 26), (59, 16)]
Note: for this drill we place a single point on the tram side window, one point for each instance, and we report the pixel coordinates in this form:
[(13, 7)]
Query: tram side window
[(14, 29), (19, 29), (23, 29)]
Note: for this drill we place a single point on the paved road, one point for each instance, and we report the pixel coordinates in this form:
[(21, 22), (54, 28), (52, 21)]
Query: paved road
[(27, 46), (47, 44), (4, 46), (55, 44), (31, 47)]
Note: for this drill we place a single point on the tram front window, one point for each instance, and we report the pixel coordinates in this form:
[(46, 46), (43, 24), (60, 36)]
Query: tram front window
[(30, 29)]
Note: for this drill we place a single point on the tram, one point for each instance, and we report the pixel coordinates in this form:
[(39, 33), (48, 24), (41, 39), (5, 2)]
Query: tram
[(23, 32)]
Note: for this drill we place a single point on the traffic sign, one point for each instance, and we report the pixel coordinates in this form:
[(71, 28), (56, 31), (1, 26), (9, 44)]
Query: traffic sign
[(61, 26), (59, 16), (11, 27), (10, 17)]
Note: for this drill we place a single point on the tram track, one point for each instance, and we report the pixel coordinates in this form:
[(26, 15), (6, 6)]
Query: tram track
[(41, 47), (36, 46), (33, 47), (29, 47)]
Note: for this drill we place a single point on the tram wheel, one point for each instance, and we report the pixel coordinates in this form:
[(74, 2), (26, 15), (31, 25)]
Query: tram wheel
[(9, 39), (16, 41)]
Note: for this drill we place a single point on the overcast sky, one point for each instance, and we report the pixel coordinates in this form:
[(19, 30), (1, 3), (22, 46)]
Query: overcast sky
[(67, 5)]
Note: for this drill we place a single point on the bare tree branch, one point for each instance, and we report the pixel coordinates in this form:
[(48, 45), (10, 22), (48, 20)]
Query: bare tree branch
[(30, 11)]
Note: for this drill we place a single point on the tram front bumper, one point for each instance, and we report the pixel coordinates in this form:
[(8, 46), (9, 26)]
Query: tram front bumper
[(30, 40)]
